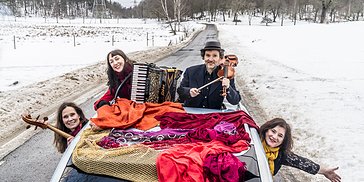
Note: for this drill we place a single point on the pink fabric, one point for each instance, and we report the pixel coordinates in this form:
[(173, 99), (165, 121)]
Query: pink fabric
[(223, 167), (184, 162)]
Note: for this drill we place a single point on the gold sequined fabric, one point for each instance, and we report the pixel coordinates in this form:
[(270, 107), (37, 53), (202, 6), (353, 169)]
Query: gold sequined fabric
[(135, 163)]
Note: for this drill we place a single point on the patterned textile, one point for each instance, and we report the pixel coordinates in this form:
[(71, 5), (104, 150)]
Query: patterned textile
[(118, 138), (134, 163), (168, 137), (182, 158)]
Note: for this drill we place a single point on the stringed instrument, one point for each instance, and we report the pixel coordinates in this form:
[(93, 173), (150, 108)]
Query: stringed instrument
[(226, 70), (34, 121)]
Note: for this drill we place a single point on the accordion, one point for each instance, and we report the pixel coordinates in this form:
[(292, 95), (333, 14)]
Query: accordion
[(154, 84)]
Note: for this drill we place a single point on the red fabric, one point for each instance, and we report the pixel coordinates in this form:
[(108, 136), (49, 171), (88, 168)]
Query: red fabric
[(126, 113), (184, 162), (190, 121), (223, 167)]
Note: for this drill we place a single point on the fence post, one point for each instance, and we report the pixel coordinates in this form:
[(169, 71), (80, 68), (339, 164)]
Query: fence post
[(14, 42), (74, 40), (147, 39), (112, 40), (153, 40)]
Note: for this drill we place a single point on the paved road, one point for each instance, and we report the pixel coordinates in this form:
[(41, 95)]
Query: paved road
[(37, 158), (190, 55)]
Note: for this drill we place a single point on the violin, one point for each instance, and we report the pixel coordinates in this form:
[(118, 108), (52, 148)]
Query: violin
[(227, 69)]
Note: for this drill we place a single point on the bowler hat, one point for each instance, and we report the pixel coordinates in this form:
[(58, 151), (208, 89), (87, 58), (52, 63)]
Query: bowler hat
[(212, 45)]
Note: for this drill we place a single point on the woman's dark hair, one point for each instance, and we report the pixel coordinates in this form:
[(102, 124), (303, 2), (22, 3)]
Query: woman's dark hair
[(287, 143), (59, 141), (114, 81)]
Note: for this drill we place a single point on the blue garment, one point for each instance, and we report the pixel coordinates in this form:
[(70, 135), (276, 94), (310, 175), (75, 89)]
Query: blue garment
[(210, 97)]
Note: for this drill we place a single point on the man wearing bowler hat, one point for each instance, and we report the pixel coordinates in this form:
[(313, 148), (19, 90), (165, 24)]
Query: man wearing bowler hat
[(199, 75)]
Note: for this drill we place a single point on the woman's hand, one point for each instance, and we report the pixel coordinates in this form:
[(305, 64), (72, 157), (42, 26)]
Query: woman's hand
[(69, 140), (330, 174)]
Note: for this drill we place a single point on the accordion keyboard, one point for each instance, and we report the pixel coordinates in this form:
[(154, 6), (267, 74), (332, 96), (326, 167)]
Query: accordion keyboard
[(140, 80)]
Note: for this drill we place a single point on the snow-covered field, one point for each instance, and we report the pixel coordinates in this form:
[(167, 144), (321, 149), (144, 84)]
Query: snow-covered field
[(312, 76), (308, 74), (47, 67), (36, 49)]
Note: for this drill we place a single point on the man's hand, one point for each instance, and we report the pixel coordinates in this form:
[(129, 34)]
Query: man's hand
[(225, 82), (194, 92)]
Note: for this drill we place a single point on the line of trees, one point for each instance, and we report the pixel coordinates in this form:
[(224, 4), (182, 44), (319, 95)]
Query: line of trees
[(321, 11), (66, 8)]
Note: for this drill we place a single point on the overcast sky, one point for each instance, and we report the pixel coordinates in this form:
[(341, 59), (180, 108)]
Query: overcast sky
[(127, 3)]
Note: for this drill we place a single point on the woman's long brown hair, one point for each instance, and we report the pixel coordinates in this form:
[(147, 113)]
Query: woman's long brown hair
[(287, 143), (59, 141), (114, 81)]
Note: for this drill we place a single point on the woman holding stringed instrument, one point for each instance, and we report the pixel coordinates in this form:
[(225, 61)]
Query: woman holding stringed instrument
[(203, 86), (70, 119)]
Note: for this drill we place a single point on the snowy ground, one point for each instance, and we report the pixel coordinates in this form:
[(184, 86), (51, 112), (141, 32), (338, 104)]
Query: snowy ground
[(308, 74), (46, 68), (42, 50), (311, 75)]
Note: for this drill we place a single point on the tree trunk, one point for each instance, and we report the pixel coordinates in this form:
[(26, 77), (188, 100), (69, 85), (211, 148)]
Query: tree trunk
[(325, 7), (250, 19)]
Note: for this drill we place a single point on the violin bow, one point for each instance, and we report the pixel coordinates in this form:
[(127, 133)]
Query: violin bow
[(213, 81)]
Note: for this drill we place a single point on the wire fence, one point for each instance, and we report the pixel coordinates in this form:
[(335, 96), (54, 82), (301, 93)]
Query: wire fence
[(76, 32)]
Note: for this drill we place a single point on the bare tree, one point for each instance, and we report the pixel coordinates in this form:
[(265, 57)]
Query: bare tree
[(169, 20), (325, 6)]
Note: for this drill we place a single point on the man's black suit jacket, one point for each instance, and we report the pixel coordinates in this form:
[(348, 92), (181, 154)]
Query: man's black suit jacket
[(193, 77)]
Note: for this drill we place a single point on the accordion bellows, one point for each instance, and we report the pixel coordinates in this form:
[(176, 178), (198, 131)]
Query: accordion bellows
[(134, 163), (154, 84)]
